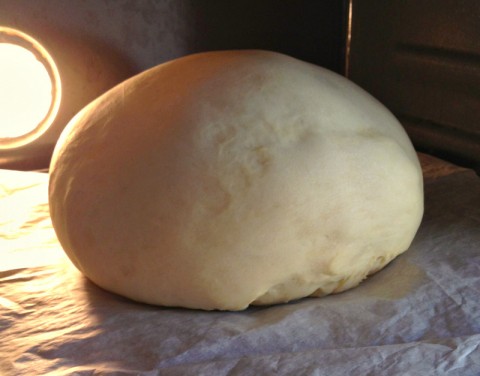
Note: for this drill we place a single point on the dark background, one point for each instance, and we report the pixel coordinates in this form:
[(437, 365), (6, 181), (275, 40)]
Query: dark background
[(421, 58)]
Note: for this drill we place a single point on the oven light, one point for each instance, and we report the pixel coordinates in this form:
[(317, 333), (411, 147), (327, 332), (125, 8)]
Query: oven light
[(30, 89), (25, 91)]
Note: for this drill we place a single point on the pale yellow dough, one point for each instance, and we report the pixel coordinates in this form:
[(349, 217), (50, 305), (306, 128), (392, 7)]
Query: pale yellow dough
[(225, 179)]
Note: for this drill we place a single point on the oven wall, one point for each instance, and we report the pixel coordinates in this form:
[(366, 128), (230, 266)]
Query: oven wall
[(422, 59)]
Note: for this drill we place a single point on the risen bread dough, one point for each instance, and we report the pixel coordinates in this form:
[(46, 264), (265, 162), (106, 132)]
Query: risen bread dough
[(232, 178)]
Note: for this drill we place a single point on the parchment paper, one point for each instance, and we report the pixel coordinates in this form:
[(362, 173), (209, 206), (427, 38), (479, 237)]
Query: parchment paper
[(418, 316)]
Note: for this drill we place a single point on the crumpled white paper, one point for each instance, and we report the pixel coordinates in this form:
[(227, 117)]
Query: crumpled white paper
[(418, 316)]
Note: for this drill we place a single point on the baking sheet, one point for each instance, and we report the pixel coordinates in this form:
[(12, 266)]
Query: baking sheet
[(419, 315)]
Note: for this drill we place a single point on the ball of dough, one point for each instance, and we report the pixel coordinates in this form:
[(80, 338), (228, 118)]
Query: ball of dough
[(225, 179)]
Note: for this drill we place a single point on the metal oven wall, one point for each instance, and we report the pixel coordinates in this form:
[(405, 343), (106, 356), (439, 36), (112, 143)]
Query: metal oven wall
[(422, 59)]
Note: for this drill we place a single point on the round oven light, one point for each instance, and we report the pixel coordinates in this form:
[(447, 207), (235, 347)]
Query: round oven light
[(30, 89)]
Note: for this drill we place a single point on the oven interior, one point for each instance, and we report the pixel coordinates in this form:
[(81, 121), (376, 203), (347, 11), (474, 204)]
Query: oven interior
[(420, 58)]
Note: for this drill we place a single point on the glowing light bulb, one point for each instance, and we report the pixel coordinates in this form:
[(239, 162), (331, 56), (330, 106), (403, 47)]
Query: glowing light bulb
[(25, 91), (30, 89)]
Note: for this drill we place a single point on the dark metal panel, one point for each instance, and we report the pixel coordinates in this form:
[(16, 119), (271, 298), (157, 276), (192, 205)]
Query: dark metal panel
[(422, 59)]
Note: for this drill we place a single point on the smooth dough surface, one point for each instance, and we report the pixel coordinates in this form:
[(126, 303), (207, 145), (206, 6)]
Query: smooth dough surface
[(231, 178)]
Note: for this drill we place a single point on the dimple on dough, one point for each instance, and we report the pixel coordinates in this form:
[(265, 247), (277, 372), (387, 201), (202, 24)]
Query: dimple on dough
[(225, 179)]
